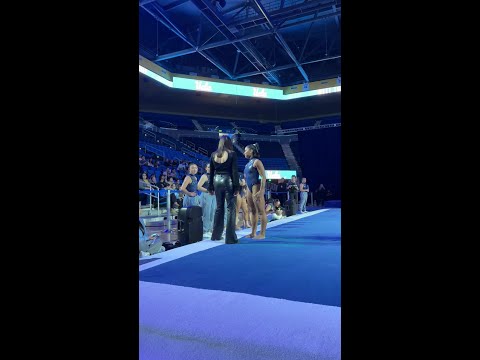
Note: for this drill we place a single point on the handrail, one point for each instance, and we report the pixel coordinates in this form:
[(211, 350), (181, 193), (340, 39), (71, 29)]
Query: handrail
[(150, 133), (189, 152), (169, 143), (160, 122), (251, 130), (169, 217), (150, 187), (202, 151), (156, 150)]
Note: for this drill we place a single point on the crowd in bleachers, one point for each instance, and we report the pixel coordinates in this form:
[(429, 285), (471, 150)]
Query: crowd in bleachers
[(168, 173), (161, 173)]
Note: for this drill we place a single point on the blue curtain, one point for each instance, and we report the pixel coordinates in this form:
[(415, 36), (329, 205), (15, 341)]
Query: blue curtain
[(320, 158)]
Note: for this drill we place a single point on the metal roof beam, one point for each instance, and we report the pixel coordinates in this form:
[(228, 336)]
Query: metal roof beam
[(239, 39), (295, 10), (336, 16), (281, 40), (217, 20), (242, 38), (174, 4), (285, 67), (172, 27)]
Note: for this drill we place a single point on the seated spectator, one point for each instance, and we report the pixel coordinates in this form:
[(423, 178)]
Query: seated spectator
[(163, 182), (275, 209), (153, 180), (144, 184), (170, 185)]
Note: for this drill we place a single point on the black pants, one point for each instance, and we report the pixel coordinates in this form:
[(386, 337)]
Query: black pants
[(294, 195), (224, 190)]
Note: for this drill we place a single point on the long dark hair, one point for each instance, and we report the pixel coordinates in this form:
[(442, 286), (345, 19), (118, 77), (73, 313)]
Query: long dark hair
[(225, 144), (256, 150)]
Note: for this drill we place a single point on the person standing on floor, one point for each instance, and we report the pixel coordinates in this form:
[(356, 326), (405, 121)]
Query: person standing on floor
[(189, 187), (242, 204), (304, 191), (223, 182), (292, 188), (255, 190), (282, 190), (208, 203)]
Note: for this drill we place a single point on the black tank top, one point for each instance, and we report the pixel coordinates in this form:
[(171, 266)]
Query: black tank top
[(206, 183)]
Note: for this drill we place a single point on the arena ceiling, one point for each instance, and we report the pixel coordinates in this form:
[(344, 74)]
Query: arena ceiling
[(275, 42)]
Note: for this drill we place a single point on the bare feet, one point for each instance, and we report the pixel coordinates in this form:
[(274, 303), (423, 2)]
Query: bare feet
[(259, 236), (250, 235)]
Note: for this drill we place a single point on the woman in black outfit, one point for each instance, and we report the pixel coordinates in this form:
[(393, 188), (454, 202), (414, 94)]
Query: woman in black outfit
[(224, 182), (292, 188)]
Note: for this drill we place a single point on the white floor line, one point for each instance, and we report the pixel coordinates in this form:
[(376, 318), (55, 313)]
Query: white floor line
[(206, 244), (180, 252)]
